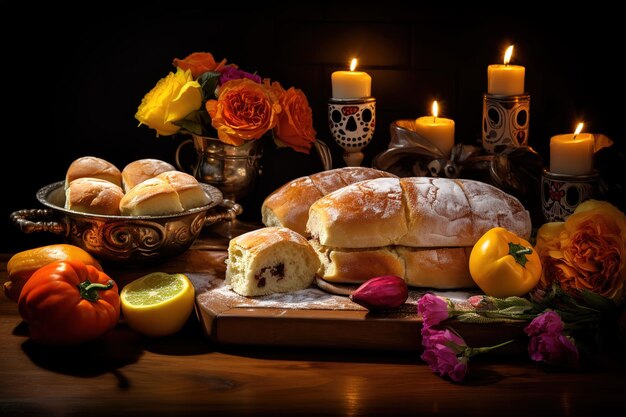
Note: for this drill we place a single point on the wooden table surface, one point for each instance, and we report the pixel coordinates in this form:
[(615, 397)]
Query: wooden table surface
[(185, 374)]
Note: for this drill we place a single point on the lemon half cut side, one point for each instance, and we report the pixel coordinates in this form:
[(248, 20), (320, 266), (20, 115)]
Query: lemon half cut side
[(157, 304)]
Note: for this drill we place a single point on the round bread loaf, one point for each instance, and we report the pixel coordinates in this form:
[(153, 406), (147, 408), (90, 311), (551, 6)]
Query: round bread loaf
[(189, 190), (289, 205), (270, 260), (93, 167), (152, 197), (142, 169), (417, 212), (93, 195)]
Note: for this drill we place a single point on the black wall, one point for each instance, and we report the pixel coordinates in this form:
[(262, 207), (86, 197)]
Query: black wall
[(71, 85)]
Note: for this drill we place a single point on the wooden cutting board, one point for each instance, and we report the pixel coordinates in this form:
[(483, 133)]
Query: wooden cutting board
[(313, 318)]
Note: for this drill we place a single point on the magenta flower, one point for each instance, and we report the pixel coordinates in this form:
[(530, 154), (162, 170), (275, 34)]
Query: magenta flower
[(433, 309), (444, 353), (548, 343), (231, 72)]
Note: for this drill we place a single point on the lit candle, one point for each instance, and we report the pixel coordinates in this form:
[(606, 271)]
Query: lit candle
[(437, 130), (351, 84), (572, 154), (506, 80)]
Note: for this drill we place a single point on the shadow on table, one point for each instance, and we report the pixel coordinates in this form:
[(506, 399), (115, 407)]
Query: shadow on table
[(188, 341), (120, 347), (116, 349)]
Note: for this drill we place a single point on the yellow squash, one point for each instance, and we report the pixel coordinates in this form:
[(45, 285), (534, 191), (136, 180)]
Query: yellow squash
[(23, 264), (503, 264)]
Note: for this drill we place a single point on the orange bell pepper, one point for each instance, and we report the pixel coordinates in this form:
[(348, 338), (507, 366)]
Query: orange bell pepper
[(68, 302)]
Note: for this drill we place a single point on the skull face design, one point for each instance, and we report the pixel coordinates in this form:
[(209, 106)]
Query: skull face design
[(560, 197), (505, 122), (352, 124)]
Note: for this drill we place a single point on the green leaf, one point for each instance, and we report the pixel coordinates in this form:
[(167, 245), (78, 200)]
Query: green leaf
[(192, 126), (208, 81), (488, 319), (196, 122), (599, 302), (519, 252)]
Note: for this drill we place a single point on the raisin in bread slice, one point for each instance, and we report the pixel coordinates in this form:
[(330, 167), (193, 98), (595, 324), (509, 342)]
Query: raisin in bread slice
[(270, 260)]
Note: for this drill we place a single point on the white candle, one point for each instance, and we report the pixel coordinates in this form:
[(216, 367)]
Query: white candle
[(437, 130), (572, 154), (506, 80), (351, 84)]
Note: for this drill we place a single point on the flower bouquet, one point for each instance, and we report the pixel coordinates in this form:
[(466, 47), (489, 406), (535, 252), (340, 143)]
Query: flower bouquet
[(577, 307), (232, 116), (210, 98)]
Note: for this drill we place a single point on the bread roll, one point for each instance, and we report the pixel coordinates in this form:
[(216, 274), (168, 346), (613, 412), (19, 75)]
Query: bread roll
[(441, 268), (142, 169), (288, 206), (152, 197), (417, 212), (189, 190), (93, 167), (93, 195), (270, 260)]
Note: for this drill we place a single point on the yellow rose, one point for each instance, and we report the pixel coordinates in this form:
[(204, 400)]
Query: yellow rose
[(586, 252), (173, 98), (244, 110)]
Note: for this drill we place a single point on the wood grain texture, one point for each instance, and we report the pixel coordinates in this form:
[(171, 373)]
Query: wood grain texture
[(186, 374), (315, 319)]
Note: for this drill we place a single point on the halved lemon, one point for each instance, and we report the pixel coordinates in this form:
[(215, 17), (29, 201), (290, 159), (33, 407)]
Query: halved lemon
[(157, 304)]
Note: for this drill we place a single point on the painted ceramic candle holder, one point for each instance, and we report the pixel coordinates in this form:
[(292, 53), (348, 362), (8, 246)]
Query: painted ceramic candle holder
[(505, 122), (561, 194), (352, 123)]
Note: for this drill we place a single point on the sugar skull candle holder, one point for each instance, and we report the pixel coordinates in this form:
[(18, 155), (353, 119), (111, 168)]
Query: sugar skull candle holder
[(352, 122), (505, 122), (561, 194)]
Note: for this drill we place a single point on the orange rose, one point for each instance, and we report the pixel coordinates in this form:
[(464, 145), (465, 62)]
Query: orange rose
[(295, 122), (199, 63), (244, 110), (586, 252)]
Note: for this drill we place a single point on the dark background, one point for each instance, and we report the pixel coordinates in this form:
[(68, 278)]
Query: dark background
[(72, 79)]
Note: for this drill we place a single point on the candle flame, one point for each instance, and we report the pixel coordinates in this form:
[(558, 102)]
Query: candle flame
[(435, 109), (508, 54), (579, 129), (353, 64)]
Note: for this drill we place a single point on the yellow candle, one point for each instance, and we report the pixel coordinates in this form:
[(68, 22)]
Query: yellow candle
[(437, 130), (572, 154), (506, 80), (351, 84)]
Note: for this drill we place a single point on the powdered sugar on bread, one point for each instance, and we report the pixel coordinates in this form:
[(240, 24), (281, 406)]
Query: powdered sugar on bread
[(416, 212)]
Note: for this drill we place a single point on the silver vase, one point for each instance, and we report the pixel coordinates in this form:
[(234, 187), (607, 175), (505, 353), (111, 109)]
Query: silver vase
[(231, 169)]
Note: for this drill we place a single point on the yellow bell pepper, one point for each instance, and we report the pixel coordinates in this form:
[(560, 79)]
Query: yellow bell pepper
[(503, 264), (23, 264)]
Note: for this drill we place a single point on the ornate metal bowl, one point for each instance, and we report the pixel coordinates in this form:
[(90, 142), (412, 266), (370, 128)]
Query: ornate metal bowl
[(124, 239)]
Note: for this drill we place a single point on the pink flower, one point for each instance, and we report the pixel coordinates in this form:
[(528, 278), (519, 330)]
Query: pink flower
[(548, 343), (444, 353), (433, 309), (231, 72), (476, 301)]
